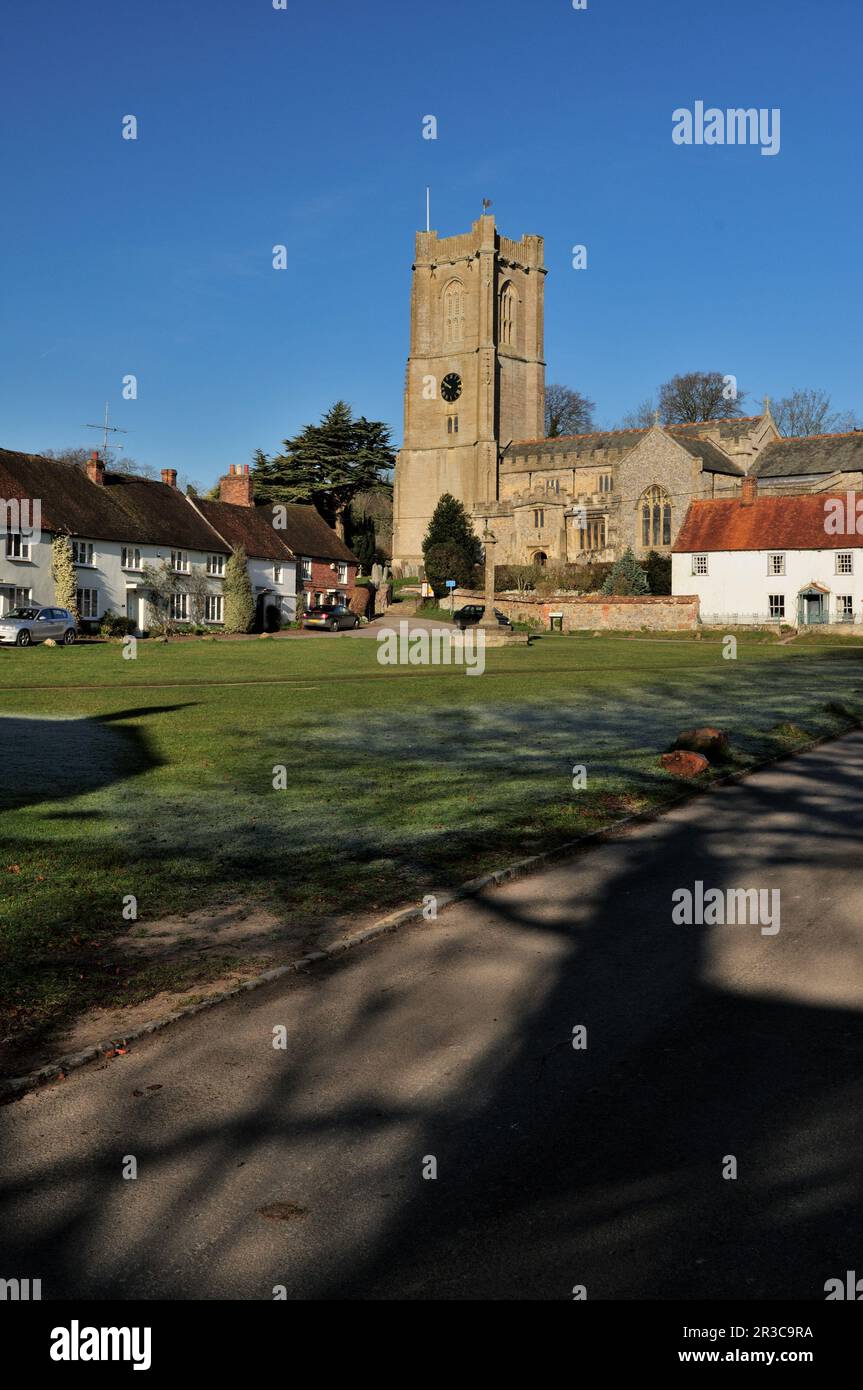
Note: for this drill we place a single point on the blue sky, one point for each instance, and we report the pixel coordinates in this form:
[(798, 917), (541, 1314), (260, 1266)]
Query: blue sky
[(304, 127)]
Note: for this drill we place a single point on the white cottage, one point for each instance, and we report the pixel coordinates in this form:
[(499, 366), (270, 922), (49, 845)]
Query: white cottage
[(118, 523), (792, 559)]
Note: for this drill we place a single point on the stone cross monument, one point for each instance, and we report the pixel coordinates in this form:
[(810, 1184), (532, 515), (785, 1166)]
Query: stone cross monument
[(488, 620)]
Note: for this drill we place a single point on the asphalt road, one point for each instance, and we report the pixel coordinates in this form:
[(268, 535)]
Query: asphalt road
[(452, 1041)]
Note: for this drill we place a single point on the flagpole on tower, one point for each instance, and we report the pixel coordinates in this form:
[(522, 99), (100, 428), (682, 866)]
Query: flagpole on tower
[(428, 209)]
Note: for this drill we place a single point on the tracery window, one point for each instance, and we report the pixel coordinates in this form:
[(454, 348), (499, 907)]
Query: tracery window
[(655, 517), (453, 312), (507, 315)]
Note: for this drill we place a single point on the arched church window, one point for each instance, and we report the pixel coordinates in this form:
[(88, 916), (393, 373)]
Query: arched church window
[(453, 312), (507, 314), (655, 517)]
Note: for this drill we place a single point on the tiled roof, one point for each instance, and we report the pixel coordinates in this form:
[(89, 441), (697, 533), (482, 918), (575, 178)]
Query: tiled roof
[(816, 453), (308, 535), (768, 523), (728, 429), (125, 508), (712, 458), (250, 527), (690, 436)]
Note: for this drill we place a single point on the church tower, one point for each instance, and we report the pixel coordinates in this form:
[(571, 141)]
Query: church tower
[(475, 373)]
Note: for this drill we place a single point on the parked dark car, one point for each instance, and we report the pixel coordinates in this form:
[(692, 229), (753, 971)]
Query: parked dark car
[(472, 612), (330, 617), (29, 623)]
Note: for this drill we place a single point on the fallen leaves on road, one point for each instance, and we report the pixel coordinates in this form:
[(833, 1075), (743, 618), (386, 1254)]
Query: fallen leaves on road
[(282, 1211)]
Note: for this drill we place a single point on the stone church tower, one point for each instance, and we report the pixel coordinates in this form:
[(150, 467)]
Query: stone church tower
[(475, 374)]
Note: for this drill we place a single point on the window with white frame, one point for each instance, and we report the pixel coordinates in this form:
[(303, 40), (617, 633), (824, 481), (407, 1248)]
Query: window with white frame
[(307, 569), (82, 552), (20, 597), (180, 561), (180, 608), (216, 566), (87, 603), (844, 562), (17, 548), (343, 574), (845, 608), (214, 608), (775, 564), (130, 558), (699, 564), (277, 574), (777, 605)]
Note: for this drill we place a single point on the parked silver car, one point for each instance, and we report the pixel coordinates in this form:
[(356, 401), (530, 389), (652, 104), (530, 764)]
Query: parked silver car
[(28, 624)]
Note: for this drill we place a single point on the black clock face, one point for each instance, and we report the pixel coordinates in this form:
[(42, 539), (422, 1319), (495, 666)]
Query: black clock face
[(450, 387)]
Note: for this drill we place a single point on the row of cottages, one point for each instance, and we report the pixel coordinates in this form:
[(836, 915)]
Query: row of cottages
[(118, 523), (795, 558)]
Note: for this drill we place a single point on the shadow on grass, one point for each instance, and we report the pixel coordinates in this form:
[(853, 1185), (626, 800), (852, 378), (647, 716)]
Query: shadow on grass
[(556, 1168)]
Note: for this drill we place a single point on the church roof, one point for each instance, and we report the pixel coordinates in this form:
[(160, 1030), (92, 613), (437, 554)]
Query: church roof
[(767, 523), (816, 453), (712, 458), (689, 436)]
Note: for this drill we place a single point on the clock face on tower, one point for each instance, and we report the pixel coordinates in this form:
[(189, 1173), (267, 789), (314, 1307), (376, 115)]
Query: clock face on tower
[(450, 387)]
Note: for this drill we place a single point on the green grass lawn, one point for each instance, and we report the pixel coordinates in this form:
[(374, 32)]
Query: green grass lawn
[(154, 777)]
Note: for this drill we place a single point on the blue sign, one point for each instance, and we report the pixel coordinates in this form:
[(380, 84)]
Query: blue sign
[(450, 583)]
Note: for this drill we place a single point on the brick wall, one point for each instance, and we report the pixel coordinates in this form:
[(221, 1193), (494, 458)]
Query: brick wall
[(323, 579), (589, 612)]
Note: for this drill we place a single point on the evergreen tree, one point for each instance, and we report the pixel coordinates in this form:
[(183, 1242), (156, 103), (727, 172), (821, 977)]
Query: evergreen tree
[(327, 464), (239, 601), (363, 543), (658, 570), (64, 575), (448, 560), (627, 577), (451, 525)]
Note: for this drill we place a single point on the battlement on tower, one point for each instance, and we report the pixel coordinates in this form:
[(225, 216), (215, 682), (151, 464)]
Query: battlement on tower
[(432, 249)]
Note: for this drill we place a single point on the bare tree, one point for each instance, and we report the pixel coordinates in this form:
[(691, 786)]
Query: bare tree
[(692, 396), (199, 588), (806, 411), (641, 417), (567, 411), (121, 463), (161, 585)]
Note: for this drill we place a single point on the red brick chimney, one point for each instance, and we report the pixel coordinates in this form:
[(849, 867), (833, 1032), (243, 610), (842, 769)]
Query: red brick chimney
[(96, 469), (237, 487), (169, 476), (748, 491)]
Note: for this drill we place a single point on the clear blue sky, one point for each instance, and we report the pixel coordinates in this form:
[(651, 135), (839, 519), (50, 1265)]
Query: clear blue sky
[(303, 127)]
